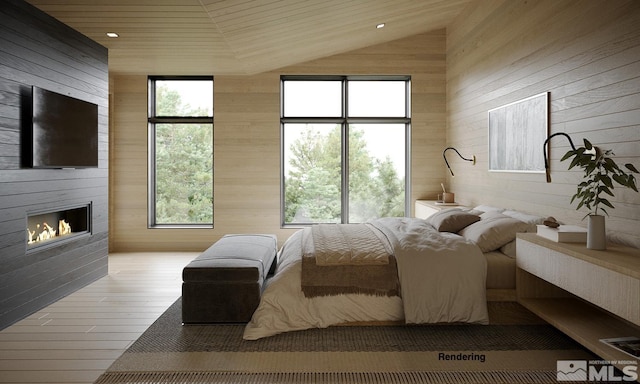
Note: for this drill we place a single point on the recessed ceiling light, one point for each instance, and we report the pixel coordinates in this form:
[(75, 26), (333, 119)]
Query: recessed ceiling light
[(112, 34), (379, 26)]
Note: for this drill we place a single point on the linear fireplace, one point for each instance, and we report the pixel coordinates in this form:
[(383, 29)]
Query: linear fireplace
[(49, 228)]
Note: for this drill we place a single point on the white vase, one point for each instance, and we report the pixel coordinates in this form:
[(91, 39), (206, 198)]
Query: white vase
[(596, 232)]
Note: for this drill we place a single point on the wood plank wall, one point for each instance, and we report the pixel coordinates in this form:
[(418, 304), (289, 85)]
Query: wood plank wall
[(247, 143), (36, 49), (587, 55)]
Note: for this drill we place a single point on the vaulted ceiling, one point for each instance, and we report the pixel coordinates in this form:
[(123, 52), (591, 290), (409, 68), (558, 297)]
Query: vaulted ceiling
[(236, 37)]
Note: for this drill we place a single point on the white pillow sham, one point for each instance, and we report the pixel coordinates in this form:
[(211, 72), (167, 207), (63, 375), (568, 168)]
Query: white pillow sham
[(531, 220), (493, 230), (488, 208)]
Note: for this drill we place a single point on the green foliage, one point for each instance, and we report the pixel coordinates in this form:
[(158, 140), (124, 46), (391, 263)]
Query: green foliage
[(184, 166), (169, 102), (600, 173), (314, 182)]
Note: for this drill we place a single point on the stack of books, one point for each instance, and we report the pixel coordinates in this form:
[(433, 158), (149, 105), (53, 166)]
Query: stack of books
[(564, 233)]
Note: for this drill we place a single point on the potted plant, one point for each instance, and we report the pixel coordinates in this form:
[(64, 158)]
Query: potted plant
[(600, 174)]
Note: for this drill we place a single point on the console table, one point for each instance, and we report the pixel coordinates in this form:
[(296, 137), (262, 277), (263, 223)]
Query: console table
[(589, 295)]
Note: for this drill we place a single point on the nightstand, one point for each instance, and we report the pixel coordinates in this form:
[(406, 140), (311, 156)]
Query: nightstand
[(426, 208), (589, 295)]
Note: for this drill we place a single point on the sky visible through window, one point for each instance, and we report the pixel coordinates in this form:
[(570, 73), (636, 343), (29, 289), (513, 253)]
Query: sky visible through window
[(197, 94)]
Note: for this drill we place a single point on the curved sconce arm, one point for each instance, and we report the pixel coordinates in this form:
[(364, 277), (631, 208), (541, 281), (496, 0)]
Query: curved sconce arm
[(594, 152), (544, 149), (463, 158)]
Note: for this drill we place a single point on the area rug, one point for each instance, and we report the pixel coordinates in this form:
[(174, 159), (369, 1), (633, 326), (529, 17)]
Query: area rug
[(517, 347)]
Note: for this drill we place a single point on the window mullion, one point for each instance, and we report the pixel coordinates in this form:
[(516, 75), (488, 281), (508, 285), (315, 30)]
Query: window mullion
[(311, 120), (181, 120), (407, 151), (345, 173), (151, 191), (407, 168), (345, 153)]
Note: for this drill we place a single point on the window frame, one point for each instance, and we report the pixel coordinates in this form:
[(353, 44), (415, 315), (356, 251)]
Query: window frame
[(152, 121), (344, 121)]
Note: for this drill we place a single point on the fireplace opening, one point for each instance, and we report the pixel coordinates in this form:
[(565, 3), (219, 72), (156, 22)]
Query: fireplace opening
[(46, 228)]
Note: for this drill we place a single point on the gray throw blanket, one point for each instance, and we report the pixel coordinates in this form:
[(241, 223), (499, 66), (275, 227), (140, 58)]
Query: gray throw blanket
[(347, 258)]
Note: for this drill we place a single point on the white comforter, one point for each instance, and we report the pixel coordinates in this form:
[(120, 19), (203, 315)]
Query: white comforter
[(442, 277)]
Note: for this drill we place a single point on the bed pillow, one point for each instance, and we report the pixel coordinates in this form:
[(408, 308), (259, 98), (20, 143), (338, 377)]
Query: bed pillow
[(531, 220), (488, 208), (493, 230), (509, 249), (452, 220)]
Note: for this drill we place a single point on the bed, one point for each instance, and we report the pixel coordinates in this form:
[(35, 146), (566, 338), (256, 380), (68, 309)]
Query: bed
[(446, 266)]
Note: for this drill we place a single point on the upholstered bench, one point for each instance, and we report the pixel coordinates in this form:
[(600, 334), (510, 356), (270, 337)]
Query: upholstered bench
[(224, 283)]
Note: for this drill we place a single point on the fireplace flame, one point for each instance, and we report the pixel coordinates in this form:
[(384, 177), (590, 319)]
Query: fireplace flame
[(64, 228), (46, 232)]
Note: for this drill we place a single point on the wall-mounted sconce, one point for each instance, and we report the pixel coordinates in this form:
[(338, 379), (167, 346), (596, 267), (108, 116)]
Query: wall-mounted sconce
[(544, 149), (473, 160)]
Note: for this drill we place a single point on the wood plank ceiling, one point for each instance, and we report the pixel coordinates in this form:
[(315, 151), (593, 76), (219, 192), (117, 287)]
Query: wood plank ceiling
[(237, 37)]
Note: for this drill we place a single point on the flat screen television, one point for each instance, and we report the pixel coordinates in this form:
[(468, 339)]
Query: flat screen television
[(64, 131)]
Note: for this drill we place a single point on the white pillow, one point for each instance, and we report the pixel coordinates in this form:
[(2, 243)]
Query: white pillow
[(493, 230), (488, 208), (531, 220)]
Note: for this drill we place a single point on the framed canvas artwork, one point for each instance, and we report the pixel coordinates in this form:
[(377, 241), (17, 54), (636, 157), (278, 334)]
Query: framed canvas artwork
[(517, 132)]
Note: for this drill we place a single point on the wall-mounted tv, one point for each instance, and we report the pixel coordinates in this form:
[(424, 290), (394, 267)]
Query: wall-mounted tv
[(64, 131)]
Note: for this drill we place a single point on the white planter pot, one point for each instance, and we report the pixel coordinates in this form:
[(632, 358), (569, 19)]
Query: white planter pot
[(596, 232)]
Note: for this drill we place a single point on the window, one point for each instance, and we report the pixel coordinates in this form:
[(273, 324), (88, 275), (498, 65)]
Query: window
[(180, 151), (345, 148)]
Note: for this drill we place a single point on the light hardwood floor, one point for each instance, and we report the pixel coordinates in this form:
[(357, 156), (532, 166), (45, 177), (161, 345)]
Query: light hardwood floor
[(76, 339)]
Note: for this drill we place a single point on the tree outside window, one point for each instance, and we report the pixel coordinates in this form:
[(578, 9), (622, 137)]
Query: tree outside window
[(180, 151), (345, 145)]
